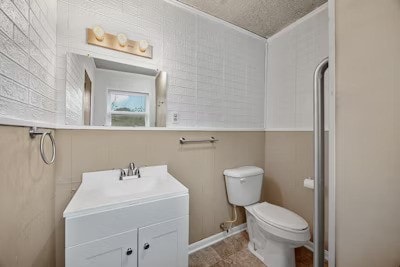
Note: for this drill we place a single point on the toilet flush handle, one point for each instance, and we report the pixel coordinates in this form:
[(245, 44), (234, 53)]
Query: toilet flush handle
[(243, 180)]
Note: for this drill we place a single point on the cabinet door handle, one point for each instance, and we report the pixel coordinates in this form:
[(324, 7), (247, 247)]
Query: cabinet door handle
[(129, 251), (146, 246)]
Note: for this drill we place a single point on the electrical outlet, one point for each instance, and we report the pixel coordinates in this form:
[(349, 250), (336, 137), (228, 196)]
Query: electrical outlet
[(175, 118)]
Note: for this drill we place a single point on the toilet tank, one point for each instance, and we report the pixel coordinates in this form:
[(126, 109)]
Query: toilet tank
[(243, 185)]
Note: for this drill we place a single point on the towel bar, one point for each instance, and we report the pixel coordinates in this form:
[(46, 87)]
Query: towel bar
[(183, 140)]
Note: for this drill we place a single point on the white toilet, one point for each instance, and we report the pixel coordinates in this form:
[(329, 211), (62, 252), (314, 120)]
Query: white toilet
[(274, 231)]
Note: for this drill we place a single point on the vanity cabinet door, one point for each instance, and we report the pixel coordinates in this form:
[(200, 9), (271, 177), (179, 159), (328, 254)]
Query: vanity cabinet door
[(117, 250), (164, 244)]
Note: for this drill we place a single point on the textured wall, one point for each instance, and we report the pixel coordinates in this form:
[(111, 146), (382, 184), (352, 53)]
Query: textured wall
[(367, 133), (199, 167), (27, 59), (293, 55), (216, 73), (27, 226)]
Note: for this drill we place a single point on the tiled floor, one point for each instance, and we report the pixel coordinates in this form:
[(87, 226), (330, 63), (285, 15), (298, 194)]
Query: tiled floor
[(233, 252)]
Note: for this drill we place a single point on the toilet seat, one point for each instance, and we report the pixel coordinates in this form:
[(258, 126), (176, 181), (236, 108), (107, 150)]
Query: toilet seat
[(276, 228), (280, 217)]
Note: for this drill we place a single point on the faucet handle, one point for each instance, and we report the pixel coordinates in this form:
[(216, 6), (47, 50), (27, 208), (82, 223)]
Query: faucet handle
[(137, 172), (122, 174)]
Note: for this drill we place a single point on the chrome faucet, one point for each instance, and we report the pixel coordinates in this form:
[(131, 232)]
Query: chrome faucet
[(133, 170)]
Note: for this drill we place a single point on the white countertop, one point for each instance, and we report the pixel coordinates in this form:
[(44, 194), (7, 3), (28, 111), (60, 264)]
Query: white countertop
[(101, 191)]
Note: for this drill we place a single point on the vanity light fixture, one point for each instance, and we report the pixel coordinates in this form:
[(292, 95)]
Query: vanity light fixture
[(143, 45), (120, 42), (122, 39), (98, 33)]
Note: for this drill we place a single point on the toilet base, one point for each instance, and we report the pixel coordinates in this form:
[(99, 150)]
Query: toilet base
[(274, 254)]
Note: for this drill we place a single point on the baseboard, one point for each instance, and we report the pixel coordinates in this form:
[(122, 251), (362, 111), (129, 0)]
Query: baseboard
[(206, 242), (310, 246), (216, 238)]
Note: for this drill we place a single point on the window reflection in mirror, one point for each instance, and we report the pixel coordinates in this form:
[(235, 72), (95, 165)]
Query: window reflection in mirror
[(120, 95), (128, 108)]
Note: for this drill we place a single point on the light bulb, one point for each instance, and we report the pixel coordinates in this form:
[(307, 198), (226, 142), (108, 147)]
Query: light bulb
[(98, 33), (122, 39), (143, 45)]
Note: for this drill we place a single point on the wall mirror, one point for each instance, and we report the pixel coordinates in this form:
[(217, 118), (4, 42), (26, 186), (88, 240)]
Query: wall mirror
[(105, 93)]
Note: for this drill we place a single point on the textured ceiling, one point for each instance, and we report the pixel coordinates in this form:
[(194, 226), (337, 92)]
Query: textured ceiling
[(262, 17)]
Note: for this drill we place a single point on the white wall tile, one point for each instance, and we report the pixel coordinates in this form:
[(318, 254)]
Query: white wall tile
[(211, 84), (12, 12), (12, 70), (27, 59), (6, 25), (13, 51), (216, 74), (39, 86), (12, 90), (292, 58), (36, 69), (21, 39), (23, 7), (281, 82)]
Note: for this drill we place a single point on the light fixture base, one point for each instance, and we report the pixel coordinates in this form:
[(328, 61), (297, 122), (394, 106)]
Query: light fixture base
[(111, 41)]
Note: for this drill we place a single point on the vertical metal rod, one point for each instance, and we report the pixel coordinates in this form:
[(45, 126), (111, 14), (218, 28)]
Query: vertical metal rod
[(319, 159)]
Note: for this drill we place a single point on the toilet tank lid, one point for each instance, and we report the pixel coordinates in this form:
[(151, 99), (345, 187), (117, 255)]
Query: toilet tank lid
[(244, 171)]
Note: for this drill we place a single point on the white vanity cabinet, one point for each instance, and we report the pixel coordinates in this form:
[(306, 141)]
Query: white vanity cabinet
[(160, 244), (118, 250), (128, 231)]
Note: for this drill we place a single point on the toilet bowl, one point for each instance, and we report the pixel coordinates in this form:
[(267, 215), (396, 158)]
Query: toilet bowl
[(274, 231)]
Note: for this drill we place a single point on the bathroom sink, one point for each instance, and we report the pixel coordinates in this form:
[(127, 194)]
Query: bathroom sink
[(135, 186), (103, 190)]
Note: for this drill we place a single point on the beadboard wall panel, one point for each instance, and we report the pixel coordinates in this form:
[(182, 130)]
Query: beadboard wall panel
[(199, 167), (27, 201)]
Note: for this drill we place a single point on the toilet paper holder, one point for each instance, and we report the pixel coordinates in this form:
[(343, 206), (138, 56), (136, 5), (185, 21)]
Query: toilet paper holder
[(309, 182)]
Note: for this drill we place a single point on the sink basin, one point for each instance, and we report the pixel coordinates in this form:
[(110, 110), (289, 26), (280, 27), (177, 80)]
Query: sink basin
[(103, 190), (136, 186)]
